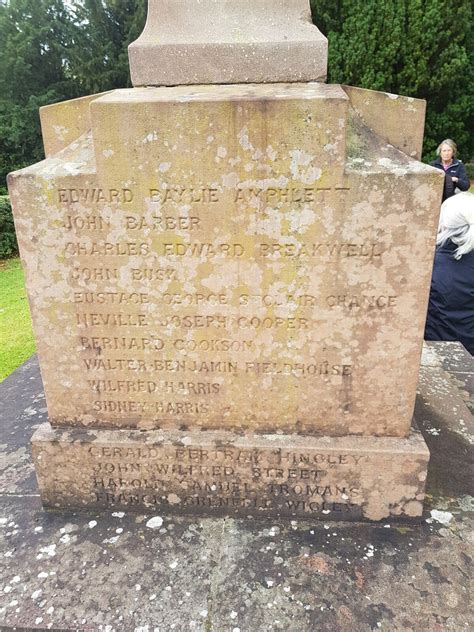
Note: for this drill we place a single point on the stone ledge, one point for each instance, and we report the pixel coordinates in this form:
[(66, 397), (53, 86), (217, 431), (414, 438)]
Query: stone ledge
[(228, 42)]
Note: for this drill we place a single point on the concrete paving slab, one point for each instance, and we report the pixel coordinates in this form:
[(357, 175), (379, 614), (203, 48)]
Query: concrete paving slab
[(459, 363), (22, 410), (446, 422), (301, 576), (80, 571)]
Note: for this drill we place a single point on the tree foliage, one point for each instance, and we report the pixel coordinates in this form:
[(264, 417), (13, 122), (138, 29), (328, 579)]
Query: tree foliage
[(50, 51), (99, 51), (8, 243), (33, 37), (419, 48)]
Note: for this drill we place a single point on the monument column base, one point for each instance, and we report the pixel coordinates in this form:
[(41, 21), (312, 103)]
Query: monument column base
[(221, 473)]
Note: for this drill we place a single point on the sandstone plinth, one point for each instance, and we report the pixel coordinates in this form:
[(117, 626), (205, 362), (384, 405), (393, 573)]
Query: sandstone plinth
[(249, 258), (63, 123), (216, 41)]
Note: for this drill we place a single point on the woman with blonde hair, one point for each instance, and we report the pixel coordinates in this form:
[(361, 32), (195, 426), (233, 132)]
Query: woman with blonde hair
[(454, 171), (451, 305)]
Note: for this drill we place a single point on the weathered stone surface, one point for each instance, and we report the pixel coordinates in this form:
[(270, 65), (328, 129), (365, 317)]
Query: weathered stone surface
[(79, 571), (398, 120), (345, 478), (217, 42), (62, 123), (234, 257)]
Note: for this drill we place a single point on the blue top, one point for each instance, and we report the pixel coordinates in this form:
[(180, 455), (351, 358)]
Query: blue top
[(457, 169), (451, 306)]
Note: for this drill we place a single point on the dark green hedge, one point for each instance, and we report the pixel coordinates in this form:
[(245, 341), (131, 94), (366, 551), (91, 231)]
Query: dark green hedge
[(8, 243), (470, 170), (417, 48)]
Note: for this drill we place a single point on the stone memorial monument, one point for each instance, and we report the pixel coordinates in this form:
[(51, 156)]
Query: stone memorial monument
[(228, 267)]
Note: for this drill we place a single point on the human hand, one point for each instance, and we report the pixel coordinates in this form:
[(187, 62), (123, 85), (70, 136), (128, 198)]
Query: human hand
[(454, 179)]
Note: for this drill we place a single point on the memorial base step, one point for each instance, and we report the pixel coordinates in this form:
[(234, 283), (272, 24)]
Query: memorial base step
[(222, 473)]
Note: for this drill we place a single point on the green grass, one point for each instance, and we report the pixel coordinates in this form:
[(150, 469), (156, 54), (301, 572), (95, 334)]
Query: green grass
[(16, 335)]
